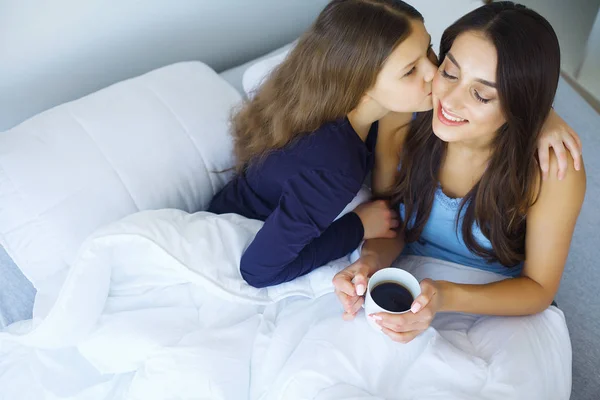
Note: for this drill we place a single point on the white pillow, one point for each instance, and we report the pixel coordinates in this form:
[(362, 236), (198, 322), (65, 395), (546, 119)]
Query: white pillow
[(257, 72), (147, 143)]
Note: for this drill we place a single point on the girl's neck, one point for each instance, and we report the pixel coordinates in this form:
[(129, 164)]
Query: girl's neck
[(363, 116), (394, 121)]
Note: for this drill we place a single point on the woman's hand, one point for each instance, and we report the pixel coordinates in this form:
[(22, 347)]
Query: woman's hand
[(351, 283), (405, 327), (558, 135)]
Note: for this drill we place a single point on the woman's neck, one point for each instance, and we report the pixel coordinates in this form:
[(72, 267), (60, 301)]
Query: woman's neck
[(475, 152), (469, 152), (483, 144), (462, 167)]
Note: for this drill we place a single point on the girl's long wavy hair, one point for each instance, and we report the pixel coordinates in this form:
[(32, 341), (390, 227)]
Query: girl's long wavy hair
[(324, 77), (527, 78)]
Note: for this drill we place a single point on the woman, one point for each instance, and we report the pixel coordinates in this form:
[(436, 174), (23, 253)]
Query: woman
[(470, 190)]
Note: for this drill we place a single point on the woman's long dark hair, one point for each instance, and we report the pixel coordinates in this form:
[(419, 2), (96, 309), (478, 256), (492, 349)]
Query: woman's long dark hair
[(527, 78)]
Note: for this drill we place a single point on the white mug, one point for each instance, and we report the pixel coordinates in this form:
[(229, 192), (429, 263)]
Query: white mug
[(395, 275)]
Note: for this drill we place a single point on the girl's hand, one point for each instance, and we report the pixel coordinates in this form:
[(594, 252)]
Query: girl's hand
[(558, 135), (378, 219)]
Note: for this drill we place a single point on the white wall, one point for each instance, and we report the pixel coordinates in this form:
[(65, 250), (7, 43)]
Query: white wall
[(572, 20), (589, 76), (440, 14), (59, 50)]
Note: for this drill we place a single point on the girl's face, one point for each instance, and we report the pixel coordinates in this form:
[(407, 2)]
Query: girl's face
[(465, 98), (404, 82)]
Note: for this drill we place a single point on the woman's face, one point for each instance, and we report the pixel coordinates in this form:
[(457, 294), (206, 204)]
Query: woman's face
[(404, 82), (465, 99)]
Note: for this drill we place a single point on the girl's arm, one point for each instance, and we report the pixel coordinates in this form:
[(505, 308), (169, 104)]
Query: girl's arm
[(558, 135)]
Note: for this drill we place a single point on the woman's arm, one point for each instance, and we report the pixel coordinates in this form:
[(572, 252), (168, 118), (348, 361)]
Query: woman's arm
[(550, 224), (393, 129)]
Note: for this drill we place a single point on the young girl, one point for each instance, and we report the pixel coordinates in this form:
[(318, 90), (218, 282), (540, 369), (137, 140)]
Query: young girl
[(305, 141), (470, 190)]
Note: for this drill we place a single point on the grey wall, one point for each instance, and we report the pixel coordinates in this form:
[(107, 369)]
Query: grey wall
[(59, 50), (573, 21), (589, 76)]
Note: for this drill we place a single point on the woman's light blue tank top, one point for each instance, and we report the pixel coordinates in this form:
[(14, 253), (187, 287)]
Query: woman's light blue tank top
[(440, 238)]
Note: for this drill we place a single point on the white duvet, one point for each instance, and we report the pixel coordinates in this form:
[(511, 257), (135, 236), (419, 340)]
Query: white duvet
[(155, 308)]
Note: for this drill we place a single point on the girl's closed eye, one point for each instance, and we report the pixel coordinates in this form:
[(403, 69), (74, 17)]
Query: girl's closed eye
[(412, 70)]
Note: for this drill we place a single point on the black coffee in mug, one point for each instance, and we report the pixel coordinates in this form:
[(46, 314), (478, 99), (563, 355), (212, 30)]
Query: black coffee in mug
[(392, 296)]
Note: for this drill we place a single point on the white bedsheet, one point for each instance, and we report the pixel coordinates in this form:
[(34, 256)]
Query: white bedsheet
[(155, 308)]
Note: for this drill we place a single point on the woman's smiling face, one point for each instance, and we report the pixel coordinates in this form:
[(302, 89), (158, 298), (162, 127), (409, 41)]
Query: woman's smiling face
[(465, 99)]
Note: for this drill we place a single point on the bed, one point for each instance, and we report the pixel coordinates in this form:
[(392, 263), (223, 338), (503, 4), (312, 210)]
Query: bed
[(242, 34)]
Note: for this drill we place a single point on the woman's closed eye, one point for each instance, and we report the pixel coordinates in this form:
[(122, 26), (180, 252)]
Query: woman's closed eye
[(475, 93), (447, 75), (481, 99)]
